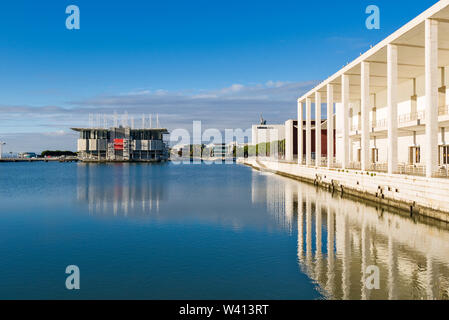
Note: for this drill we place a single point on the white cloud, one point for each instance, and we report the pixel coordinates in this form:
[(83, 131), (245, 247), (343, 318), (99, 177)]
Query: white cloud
[(233, 88), (275, 84), (236, 106), (55, 133)]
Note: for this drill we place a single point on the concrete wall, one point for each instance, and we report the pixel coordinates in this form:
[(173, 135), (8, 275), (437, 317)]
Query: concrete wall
[(82, 145), (289, 143), (428, 196)]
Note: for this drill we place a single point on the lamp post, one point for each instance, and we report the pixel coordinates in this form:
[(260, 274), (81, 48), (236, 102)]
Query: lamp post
[(1, 148)]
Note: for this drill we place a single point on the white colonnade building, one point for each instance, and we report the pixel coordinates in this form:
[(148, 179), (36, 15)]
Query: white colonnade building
[(391, 104)]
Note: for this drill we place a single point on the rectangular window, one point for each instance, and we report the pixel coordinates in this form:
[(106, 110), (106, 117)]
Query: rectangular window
[(414, 155), (374, 155)]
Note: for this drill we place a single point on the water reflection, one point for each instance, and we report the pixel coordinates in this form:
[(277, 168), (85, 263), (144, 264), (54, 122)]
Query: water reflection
[(120, 189), (216, 195), (339, 238), (277, 196)]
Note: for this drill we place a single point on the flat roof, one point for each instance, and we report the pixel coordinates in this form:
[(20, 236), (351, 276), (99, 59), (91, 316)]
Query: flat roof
[(410, 42)]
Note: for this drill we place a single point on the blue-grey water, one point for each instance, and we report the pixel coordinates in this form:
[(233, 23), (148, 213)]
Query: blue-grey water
[(192, 231)]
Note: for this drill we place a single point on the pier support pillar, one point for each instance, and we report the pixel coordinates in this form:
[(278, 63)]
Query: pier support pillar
[(345, 106), (431, 61), (392, 107), (300, 133), (365, 98), (308, 132), (318, 129), (330, 125)]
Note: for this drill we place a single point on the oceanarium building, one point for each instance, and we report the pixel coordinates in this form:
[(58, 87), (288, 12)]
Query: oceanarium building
[(391, 104), (122, 144)]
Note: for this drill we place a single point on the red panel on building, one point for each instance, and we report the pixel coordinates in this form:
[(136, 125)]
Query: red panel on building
[(118, 144)]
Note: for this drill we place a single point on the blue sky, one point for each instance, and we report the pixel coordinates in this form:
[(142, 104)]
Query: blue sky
[(221, 62)]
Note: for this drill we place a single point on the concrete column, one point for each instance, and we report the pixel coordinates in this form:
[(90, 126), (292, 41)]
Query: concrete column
[(317, 129), (392, 107), (330, 125), (308, 132), (345, 106), (300, 133), (431, 49), (365, 97), (351, 149), (288, 140), (446, 83), (253, 138)]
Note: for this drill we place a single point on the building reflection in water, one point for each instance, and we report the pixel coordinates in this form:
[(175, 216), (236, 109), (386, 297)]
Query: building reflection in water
[(120, 190), (339, 238), (279, 198)]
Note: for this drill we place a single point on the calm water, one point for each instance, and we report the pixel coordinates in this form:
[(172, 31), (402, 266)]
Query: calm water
[(204, 232)]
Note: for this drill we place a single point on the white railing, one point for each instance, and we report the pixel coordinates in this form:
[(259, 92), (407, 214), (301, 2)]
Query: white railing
[(412, 169), (337, 165), (403, 118), (379, 124), (323, 161), (412, 116), (379, 167), (442, 111), (355, 165), (443, 171)]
